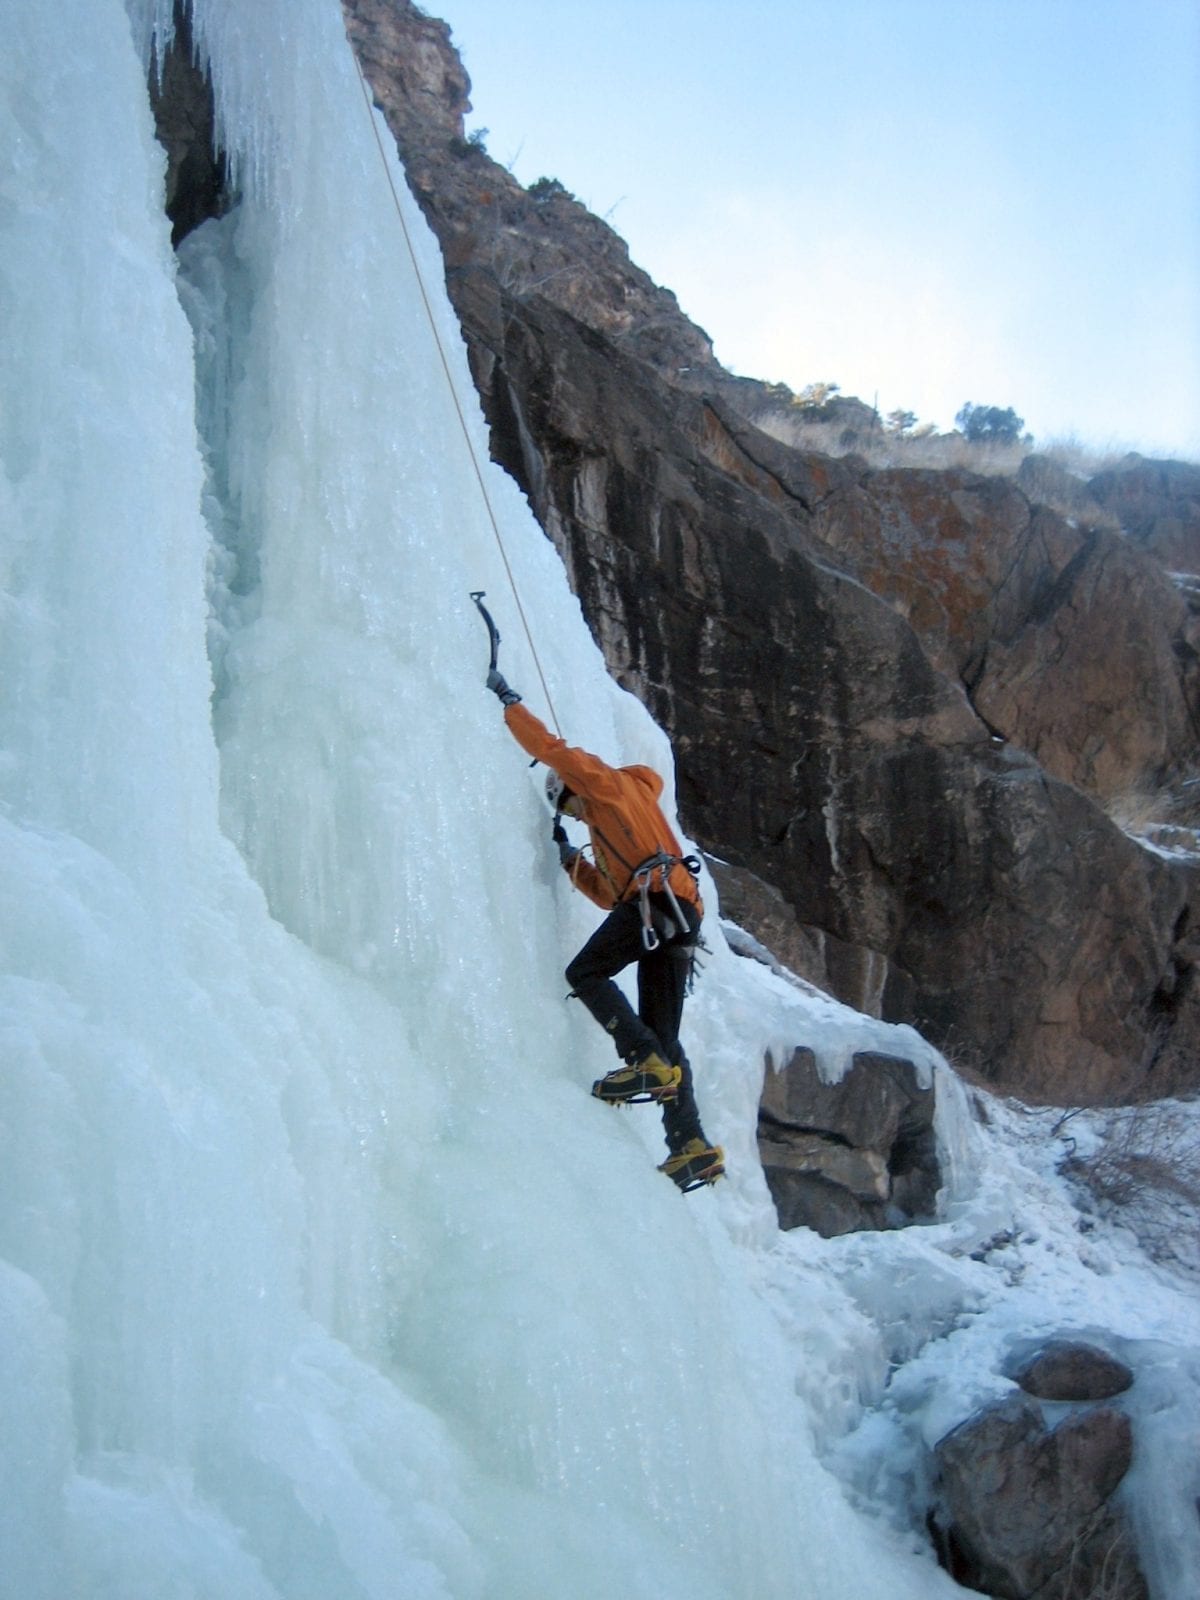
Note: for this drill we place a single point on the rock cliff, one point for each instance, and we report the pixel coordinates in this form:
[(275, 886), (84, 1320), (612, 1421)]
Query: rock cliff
[(899, 698), (903, 703)]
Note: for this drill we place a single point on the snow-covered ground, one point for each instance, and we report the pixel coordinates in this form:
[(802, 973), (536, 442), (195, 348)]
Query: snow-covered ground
[(1052, 1221)]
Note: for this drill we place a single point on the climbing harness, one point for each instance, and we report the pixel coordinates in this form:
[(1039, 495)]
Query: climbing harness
[(642, 876), (441, 350)]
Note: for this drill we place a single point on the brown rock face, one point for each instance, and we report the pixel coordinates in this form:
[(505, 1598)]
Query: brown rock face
[(1070, 642), (858, 669), (545, 246), (818, 746), (1099, 684), (962, 557)]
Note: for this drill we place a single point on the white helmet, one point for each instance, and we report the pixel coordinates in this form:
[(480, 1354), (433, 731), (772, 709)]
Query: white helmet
[(555, 789)]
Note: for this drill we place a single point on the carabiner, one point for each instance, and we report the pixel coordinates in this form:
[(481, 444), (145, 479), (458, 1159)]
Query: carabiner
[(650, 939)]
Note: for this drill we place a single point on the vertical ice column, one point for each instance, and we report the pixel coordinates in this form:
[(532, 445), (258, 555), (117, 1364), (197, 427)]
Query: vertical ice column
[(103, 721)]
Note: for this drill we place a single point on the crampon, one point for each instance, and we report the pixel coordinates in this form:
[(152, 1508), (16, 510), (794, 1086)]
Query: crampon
[(695, 1165)]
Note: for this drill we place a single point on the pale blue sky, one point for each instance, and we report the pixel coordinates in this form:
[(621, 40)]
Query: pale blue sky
[(925, 201)]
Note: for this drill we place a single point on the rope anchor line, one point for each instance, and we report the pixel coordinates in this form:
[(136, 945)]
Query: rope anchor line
[(462, 421)]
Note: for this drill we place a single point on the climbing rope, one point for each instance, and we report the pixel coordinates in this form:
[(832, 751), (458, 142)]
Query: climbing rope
[(462, 421)]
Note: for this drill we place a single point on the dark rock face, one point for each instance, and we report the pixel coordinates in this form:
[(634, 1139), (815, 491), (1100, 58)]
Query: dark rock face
[(747, 902), (1027, 1513), (857, 669), (856, 1154), (197, 183), (1068, 1369)]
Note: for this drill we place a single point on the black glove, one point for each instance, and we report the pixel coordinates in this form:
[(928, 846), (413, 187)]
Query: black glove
[(566, 851), (506, 696)]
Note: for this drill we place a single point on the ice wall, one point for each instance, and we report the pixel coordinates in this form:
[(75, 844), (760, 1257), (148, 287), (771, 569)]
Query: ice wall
[(320, 1273)]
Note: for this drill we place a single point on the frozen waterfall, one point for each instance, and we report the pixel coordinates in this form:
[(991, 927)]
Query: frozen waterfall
[(321, 1275)]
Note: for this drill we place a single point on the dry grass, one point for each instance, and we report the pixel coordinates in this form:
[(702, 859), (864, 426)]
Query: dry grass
[(1083, 460), (882, 448), (1103, 1564)]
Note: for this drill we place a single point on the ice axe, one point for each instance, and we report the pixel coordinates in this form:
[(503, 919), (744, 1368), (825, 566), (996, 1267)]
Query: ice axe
[(493, 631)]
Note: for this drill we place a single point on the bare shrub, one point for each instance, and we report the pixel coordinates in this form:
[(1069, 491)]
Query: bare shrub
[(1144, 1173)]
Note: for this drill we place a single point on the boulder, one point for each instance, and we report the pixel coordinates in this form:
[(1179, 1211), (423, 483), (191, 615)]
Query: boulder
[(839, 1157), (809, 1199), (1069, 1369), (1026, 1513)]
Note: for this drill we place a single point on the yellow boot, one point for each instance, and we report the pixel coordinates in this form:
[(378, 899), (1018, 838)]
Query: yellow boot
[(650, 1079)]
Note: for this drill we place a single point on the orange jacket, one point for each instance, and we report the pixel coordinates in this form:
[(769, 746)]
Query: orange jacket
[(621, 811)]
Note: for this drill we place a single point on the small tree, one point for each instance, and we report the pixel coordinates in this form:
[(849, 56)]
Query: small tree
[(989, 424), (475, 144), (900, 423), (543, 189), (816, 394)]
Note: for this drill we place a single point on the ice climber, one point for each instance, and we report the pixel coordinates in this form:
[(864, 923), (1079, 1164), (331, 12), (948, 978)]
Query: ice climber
[(639, 877)]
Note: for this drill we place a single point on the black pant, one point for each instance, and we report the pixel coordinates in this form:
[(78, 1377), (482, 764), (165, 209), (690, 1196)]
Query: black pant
[(662, 984)]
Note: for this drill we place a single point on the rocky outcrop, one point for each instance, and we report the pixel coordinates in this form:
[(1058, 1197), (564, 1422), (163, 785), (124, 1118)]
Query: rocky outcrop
[(1157, 503), (859, 1153), (541, 245), (962, 557), (856, 668), (1027, 1513), (810, 953)]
